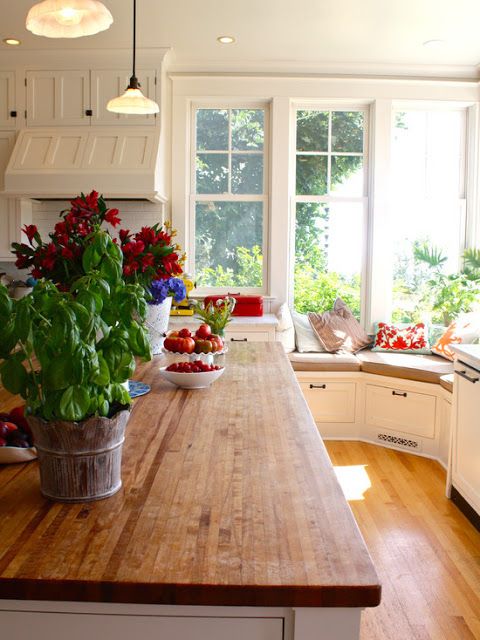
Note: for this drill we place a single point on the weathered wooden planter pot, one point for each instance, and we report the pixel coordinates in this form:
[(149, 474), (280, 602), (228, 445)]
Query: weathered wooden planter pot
[(80, 461)]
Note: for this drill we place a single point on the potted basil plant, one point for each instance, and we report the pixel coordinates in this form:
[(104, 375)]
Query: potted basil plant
[(68, 354)]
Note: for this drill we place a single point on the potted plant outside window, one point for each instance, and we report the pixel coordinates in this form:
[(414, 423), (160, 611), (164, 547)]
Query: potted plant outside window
[(68, 353)]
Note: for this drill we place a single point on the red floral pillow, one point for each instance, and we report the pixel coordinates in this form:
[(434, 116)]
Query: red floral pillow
[(412, 338)]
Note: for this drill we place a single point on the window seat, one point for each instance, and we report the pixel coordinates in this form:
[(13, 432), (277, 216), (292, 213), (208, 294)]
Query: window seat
[(419, 368)]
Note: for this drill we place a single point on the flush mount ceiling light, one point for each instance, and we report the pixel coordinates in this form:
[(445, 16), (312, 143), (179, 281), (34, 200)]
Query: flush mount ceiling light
[(68, 18), (12, 41), (226, 39), (133, 101)]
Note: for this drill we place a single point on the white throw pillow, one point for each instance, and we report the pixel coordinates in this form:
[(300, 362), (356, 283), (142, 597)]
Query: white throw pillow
[(285, 331), (305, 337)]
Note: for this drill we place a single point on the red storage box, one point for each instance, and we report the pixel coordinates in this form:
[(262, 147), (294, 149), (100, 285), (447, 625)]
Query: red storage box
[(245, 305)]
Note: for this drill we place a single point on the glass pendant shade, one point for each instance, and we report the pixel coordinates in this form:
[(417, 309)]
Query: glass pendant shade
[(132, 101), (68, 18)]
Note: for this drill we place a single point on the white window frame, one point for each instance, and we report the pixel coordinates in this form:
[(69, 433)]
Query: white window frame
[(360, 106), (201, 197)]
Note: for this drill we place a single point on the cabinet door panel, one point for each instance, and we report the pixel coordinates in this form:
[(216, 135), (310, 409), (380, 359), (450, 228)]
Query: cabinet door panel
[(466, 437), (399, 410), (247, 336), (108, 84), (330, 401), (58, 98), (7, 138), (7, 99)]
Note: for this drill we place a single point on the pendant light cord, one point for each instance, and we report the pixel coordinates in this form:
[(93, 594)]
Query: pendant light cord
[(134, 83), (134, 34)]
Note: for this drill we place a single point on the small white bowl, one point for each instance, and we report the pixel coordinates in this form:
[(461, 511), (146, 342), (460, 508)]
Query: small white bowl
[(191, 380), (9, 455)]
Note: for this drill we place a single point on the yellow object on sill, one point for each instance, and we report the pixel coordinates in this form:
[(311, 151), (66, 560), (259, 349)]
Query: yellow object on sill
[(181, 312), (184, 308)]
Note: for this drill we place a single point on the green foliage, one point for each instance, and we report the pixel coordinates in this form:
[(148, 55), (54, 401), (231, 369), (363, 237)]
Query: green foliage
[(316, 290), (66, 352), (432, 291), (249, 271), (218, 315)]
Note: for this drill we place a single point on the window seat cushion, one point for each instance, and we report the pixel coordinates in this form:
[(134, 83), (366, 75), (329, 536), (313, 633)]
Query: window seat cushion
[(421, 368), (324, 361)]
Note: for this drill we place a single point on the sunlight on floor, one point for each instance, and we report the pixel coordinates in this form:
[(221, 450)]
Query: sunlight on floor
[(354, 481)]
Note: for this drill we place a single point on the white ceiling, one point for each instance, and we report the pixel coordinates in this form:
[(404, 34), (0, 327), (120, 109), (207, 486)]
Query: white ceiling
[(309, 36)]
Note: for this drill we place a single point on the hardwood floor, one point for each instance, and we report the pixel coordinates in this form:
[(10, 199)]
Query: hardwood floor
[(426, 552)]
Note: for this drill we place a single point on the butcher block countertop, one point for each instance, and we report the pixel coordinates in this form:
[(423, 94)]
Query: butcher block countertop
[(228, 498)]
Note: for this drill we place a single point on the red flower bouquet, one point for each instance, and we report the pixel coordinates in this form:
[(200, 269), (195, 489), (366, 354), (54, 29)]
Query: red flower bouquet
[(147, 256)]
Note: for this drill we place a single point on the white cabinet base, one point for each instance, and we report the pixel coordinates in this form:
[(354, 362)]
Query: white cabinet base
[(76, 621)]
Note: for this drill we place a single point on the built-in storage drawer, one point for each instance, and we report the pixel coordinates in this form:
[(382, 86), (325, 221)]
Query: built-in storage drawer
[(330, 401), (19, 624), (247, 336), (400, 410)]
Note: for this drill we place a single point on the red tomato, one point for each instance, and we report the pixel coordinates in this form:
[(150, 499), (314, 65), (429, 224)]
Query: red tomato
[(185, 333), (179, 345), (204, 331), (203, 346)]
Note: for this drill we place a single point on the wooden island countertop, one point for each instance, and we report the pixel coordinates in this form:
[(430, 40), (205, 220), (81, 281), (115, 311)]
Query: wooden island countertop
[(228, 498)]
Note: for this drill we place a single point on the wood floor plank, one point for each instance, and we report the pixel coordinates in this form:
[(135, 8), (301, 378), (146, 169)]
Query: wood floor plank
[(426, 552)]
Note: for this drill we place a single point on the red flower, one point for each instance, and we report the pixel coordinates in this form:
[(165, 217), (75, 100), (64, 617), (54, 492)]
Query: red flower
[(148, 261), (112, 217), (124, 234), (22, 262), (30, 230), (130, 268), (67, 253), (146, 235)]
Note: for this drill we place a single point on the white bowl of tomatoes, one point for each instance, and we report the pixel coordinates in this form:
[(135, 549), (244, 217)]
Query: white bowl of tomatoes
[(192, 375), (202, 341)]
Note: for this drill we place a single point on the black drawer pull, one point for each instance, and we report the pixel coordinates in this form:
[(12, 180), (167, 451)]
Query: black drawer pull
[(13, 114), (463, 374), (318, 386), (238, 339), (396, 393), (89, 112)]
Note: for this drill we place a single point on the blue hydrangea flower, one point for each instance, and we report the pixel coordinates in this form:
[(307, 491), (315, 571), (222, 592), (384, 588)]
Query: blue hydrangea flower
[(160, 289)]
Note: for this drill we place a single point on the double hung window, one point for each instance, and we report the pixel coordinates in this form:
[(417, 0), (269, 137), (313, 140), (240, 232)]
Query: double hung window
[(229, 198), (427, 208), (330, 207)]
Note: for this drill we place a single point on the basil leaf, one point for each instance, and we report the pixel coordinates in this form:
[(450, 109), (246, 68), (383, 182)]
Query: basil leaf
[(74, 403), (14, 376)]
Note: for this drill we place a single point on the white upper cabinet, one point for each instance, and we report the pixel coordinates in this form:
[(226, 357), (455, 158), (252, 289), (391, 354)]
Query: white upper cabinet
[(7, 99), (108, 84), (7, 140), (73, 97), (58, 98)]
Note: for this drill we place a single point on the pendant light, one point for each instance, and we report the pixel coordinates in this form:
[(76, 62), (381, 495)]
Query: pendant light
[(133, 101), (68, 18)]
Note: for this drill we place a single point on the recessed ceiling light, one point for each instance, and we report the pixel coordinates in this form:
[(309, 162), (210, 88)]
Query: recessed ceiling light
[(12, 41), (434, 44), (226, 39)]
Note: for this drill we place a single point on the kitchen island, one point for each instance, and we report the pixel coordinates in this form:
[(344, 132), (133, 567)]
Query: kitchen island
[(230, 522)]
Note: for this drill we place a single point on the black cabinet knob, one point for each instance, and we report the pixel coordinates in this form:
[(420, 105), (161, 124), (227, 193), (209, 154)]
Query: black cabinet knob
[(13, 114), (89, 112)]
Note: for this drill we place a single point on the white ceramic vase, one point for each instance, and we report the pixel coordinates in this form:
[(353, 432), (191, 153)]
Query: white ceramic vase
[(156, 322)]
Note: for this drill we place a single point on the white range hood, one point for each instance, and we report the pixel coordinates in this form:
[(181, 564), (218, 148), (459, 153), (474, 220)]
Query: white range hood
[(60, 162)]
